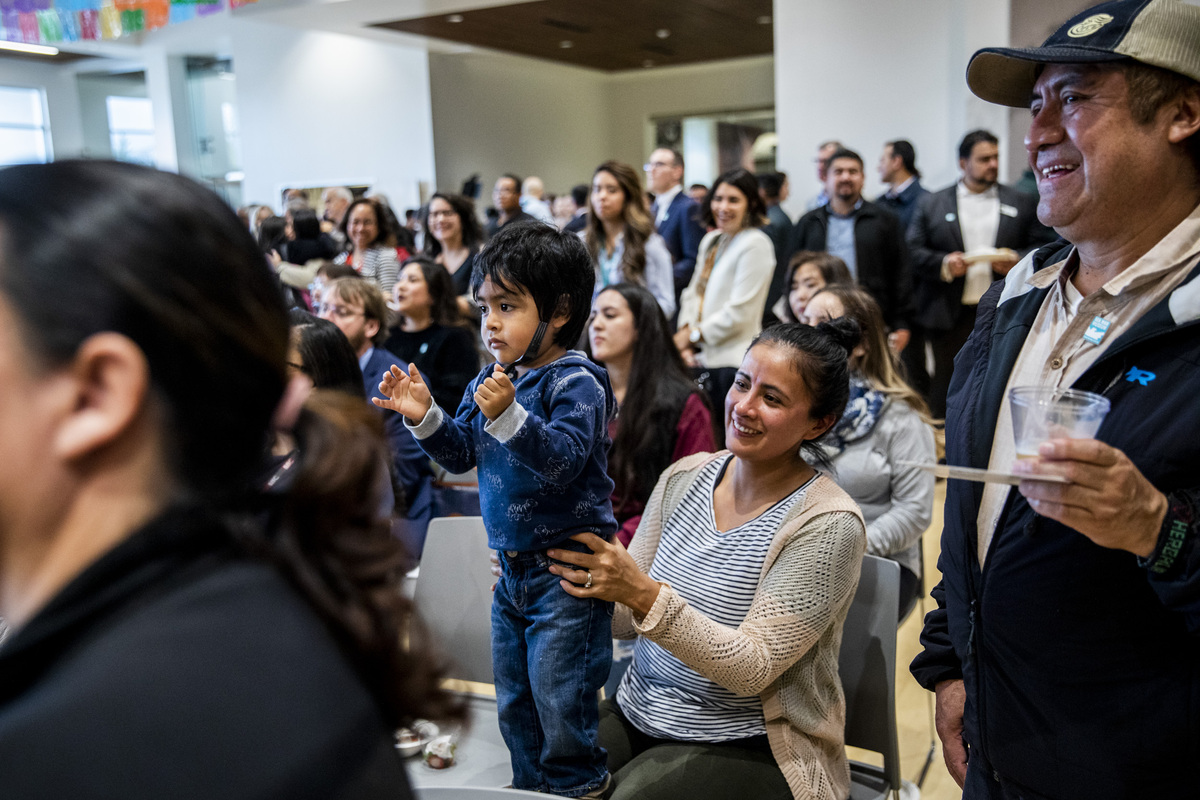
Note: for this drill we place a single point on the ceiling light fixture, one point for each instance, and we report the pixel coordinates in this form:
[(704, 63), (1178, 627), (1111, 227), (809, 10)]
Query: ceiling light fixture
[(662, 33), (566, 44), (454, 18), (35, 49)]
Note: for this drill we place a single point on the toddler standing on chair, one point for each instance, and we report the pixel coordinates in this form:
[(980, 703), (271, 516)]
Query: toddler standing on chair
[(536, 425)]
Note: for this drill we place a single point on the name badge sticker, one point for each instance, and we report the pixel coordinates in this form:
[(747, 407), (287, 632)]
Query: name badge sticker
[(1095, 332), (1008, 211)]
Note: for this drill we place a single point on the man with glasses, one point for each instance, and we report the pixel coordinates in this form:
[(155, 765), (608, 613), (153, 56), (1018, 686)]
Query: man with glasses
[(359, 310), (676, 216)]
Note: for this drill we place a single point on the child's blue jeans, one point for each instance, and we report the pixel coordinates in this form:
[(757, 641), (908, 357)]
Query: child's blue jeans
[(551, 653)]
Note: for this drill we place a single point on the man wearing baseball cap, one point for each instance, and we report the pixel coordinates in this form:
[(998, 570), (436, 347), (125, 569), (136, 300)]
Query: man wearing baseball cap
[(1065, 646)]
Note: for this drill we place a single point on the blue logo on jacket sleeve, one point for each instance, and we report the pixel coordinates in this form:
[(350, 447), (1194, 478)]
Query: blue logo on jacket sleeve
[(1141, 376)]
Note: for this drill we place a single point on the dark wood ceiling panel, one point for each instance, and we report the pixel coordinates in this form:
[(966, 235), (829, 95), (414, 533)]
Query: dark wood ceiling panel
[(610, 35)]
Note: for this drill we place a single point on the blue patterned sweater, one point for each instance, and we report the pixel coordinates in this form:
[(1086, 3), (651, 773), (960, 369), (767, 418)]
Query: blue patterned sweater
[(543, 463)]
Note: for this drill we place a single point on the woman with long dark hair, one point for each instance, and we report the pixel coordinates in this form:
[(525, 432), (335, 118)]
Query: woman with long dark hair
[(193, 636), (427, 331), (620, 235), (663, 415), (721, 310), (453, 236)]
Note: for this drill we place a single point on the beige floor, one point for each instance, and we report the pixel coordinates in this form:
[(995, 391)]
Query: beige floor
[(913, 706)]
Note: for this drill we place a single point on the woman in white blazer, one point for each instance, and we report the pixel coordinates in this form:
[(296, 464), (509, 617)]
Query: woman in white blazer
[(721, 309)]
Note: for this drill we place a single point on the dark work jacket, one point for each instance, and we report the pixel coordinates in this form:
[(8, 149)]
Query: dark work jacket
[(176, 667), (934, 233), (882, 256), (1082, 668)]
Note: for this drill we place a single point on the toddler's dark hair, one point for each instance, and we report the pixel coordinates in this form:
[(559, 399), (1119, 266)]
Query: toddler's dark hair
[(550, 266)]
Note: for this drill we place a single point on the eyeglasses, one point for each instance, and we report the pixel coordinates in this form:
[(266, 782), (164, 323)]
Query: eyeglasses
[(440, 214), (653, 165), (342, 312)]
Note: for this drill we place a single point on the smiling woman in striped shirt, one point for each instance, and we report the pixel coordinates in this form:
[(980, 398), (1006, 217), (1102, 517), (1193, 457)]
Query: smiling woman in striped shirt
[(736, 586)]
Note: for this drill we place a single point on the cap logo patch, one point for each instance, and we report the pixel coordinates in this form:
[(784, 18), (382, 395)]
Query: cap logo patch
[(1089, 26)]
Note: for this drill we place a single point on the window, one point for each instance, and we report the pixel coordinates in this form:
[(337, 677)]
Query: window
[(24, 138), (131, 129)]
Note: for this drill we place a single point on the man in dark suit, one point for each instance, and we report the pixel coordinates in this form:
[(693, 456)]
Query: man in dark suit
[(898, 169), (865, 236), (676, 216), (961, 239), (773, 187)]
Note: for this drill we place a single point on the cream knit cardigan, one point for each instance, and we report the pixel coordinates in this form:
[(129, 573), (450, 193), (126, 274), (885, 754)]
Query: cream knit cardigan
[(786, 650)]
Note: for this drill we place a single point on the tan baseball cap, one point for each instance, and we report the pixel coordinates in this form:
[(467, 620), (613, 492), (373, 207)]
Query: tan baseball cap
[(1161, 33)]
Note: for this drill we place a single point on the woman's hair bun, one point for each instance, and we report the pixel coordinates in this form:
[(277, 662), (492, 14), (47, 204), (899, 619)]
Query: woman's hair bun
[(843, 330)]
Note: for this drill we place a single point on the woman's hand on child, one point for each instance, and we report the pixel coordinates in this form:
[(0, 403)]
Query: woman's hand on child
[(495, 394), (610, 571), (405, 393)]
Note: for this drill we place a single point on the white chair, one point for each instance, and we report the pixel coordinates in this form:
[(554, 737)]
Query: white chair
[(454, 595), (867, 664)]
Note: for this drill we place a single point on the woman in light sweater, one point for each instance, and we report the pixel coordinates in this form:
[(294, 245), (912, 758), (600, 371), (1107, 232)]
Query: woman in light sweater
[(736, 585), (720, 311), (886, 423), (620, 236)]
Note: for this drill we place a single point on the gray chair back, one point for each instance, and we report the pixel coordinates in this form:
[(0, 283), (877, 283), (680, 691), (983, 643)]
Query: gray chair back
[(454, 595), (867, 664)]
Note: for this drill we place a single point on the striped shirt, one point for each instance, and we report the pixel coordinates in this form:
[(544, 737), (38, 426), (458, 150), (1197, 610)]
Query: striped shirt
[(376, 264), (717, 573)]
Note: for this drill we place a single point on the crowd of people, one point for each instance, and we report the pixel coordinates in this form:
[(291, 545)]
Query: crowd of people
[(690, 418)]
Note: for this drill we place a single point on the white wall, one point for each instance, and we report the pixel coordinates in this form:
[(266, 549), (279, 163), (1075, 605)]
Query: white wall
[(62, 101), (496, 113), (94, 91), (634, 98), (893, 70), (319, 109)]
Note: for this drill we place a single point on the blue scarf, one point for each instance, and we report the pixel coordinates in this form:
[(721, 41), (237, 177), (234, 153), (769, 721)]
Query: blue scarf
[(862, 412)]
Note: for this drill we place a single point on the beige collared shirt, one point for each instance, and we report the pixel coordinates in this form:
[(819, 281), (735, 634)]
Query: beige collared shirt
[(1056, 354)]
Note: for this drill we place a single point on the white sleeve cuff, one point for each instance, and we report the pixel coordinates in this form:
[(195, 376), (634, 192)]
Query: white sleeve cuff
[(505, 426), (947, 276), (429, 423)]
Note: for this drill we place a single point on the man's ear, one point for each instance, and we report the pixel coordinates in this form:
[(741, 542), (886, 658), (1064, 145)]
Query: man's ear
[(371, 326), (1185, 122), (109, 379)]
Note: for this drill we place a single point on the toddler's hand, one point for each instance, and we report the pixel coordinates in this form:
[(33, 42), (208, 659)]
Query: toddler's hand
[(405, 393), (495, 394)]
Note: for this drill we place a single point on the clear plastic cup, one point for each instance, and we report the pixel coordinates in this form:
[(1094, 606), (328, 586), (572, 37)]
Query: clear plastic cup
[(1040, 414)]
